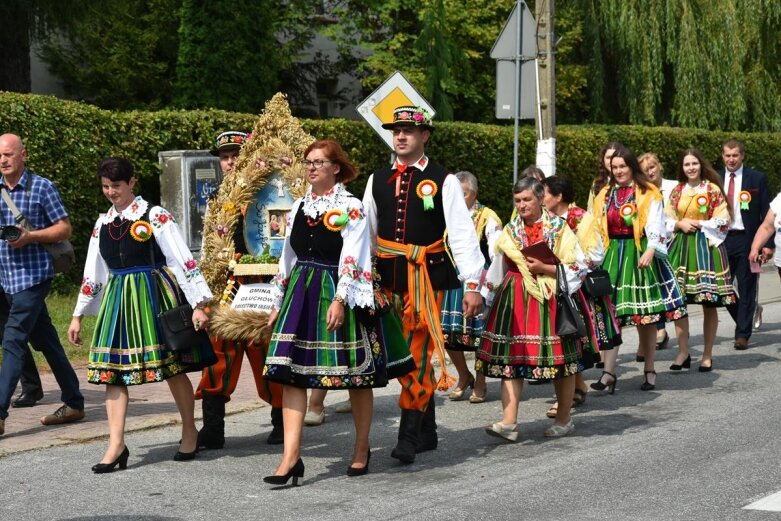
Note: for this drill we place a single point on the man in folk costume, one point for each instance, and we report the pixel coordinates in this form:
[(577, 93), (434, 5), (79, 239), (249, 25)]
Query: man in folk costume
[(219, 380), (409, 205)]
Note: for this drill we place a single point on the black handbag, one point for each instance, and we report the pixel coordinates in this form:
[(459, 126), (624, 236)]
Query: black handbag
[(597, 283), (176, 325), (568, 320), (178, 329)]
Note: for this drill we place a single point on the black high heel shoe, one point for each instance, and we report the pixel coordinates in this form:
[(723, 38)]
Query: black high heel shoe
[(185, 456), (296, 472), (104, 468), (647, 386), (685, 365), (599, 386), (360, 471)]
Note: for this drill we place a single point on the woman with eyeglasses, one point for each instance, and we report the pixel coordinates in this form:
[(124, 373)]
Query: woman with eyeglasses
[(325, 335)]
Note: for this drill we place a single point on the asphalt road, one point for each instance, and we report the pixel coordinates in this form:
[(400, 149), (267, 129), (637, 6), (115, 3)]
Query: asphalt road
[(702, 446)]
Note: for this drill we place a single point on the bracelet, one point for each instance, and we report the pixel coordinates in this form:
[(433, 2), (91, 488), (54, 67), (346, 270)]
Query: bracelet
[(339, 299), (201, 305)]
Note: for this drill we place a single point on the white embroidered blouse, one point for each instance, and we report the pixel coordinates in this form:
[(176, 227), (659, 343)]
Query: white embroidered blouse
[(355, 266), (166, 232)]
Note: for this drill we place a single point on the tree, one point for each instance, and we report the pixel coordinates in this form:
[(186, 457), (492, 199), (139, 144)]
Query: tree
[(701, 63), (381, 35), (119, 54), (231, 54)]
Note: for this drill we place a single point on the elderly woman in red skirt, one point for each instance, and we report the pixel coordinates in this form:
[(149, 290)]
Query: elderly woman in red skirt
[(519, 340)]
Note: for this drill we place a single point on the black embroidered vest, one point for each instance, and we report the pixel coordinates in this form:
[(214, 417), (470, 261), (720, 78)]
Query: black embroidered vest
[(120, 250), (402, 219), (314, 242)]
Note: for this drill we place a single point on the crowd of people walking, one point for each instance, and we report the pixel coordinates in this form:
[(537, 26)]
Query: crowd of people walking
[(370, 289)]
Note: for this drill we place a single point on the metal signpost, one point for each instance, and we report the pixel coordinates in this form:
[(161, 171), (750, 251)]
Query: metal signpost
[(515, 52)]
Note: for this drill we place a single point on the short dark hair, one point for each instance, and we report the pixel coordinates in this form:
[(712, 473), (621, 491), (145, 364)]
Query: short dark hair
[(560, 185), (734, 143), (116, 169)]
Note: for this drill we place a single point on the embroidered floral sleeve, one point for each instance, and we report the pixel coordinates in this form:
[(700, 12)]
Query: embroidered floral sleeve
[(94, 277), (178, 256), (355, 266), (575, 271), (715, 228), (655, 229), (287, 260)]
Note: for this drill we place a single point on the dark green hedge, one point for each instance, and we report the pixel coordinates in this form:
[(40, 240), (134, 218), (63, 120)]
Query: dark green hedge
[(66, 141)]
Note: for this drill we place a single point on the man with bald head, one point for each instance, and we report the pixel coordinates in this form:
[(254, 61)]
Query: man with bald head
[(26, 273)]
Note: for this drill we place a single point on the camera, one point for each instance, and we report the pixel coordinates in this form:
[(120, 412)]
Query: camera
[(9, 233)]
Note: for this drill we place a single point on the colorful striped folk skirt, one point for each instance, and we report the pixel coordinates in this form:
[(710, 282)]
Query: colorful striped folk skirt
[(303, 353), (127, 346), (461, 333), (702, 271), (642, 296), (519, 340)]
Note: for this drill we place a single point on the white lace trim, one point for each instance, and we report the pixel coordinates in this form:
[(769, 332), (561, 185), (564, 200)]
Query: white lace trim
[(360, 294), (316, 205), (133, 212)]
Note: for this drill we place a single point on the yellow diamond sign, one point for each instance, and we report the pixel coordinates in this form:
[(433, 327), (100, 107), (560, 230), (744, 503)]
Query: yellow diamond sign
[(379, 106)]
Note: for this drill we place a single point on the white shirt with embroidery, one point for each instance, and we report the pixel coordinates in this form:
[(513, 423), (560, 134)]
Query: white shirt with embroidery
[(178, 258), (355, 264), (458, 221)]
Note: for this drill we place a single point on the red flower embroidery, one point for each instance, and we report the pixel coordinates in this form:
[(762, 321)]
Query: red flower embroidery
[(190, 264), (354, 213)]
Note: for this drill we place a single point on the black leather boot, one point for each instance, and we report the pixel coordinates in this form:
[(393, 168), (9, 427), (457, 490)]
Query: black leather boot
[(428, 429), (277, 434), (409, 427), (212, 434)]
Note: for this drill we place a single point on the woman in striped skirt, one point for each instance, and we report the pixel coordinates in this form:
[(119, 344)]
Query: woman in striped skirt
[(461, 333), (519, 340), (138, 265), (630, 210), (699, 214), (325, 332)]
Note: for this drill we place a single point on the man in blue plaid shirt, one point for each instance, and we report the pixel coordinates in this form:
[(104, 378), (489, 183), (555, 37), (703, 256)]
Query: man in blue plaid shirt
[(26, 273)]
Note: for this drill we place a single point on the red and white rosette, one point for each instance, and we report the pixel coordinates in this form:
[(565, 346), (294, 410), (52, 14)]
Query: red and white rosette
[(335, 219), (702, 201), (627, 213), (141, 231), (426, 190)]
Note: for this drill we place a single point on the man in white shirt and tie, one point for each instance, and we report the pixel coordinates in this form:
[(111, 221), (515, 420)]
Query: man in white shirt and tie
[(748, 192)]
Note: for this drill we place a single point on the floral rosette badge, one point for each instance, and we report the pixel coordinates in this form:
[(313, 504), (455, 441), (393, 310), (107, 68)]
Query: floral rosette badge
[(141, 231), (627, 213), (427, 190), (744, 197), (335, 220), (702, 202)]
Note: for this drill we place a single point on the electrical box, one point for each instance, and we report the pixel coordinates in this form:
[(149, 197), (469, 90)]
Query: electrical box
[(188, 178)]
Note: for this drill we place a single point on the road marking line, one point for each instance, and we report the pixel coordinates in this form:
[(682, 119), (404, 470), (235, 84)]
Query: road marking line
[(771, 503)]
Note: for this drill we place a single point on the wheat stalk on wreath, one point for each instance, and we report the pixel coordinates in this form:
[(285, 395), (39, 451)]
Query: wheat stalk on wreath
[(275, 145)]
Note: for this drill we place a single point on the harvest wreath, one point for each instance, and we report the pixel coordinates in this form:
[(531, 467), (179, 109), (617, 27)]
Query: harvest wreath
[(275, 146)]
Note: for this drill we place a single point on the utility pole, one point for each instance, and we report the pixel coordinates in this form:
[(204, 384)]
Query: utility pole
[(546, 82)]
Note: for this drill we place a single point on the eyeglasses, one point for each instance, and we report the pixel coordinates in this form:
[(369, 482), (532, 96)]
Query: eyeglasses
[(317, 163)]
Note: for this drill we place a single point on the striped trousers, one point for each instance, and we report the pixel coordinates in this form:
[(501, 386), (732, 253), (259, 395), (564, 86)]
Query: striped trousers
[(220, 379)]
